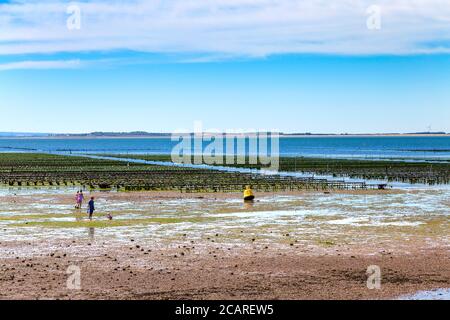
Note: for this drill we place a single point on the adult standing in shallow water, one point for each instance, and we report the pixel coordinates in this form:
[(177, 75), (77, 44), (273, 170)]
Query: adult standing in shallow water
[(91, 208)]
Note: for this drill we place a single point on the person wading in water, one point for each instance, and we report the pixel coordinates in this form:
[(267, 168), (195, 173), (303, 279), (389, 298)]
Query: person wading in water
[(77, 199), (80, 199), (91, 208)]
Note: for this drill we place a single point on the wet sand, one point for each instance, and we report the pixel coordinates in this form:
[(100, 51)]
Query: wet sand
[(132, 271), (23, 196), (305, 245)]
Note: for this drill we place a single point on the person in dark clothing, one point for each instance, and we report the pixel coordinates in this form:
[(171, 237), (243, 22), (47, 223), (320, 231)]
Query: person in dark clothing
[(91, 208)]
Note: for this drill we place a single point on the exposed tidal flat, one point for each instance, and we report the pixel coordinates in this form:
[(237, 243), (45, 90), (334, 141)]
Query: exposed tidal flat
[(310, 217), (168, 245), (161, 244)]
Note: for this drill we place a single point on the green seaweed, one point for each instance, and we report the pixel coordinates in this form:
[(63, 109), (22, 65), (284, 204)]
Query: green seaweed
[(110, 223)]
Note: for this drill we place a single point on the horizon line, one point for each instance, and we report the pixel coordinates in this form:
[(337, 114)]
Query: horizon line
[(139, 133)]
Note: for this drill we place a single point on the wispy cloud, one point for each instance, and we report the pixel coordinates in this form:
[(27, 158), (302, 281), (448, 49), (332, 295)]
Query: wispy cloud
[(226, 27), (49, 64)]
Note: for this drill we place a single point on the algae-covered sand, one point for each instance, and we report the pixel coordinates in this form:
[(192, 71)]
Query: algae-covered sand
[(308, 217), (163, 245), (169, 245)]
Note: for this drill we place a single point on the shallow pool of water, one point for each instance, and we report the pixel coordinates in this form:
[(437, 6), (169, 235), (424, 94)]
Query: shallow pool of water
[(438, 294)]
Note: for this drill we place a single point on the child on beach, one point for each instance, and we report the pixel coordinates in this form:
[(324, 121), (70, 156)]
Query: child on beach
[(80, 199), (77, 197), (91, 208)]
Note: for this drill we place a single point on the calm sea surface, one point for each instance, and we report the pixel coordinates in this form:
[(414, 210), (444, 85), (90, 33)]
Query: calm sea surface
[(414, 148)]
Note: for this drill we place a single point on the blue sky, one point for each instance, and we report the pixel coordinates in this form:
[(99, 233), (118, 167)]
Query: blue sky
[(61, 82)]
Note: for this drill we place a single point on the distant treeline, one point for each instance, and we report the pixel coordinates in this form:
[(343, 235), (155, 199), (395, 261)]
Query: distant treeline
[(113, 134), (160, 134)]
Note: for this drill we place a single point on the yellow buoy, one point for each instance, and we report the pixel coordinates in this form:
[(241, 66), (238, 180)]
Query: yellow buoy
[(248, 194)]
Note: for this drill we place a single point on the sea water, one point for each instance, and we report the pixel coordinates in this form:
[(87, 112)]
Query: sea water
[(385, 147)]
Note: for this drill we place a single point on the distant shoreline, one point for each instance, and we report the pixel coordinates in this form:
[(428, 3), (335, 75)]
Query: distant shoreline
[(367, 135), (165, 136)]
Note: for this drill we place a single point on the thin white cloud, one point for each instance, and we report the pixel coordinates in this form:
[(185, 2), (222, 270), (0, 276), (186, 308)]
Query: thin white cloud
[(227, 27), (49, 64)]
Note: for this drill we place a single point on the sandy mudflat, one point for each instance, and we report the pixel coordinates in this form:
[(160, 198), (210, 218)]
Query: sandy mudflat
[(212, 246), (210, 271)]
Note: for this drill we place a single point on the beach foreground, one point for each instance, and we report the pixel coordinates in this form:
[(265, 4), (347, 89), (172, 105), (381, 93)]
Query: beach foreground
[(168, 245), (209, 271)]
